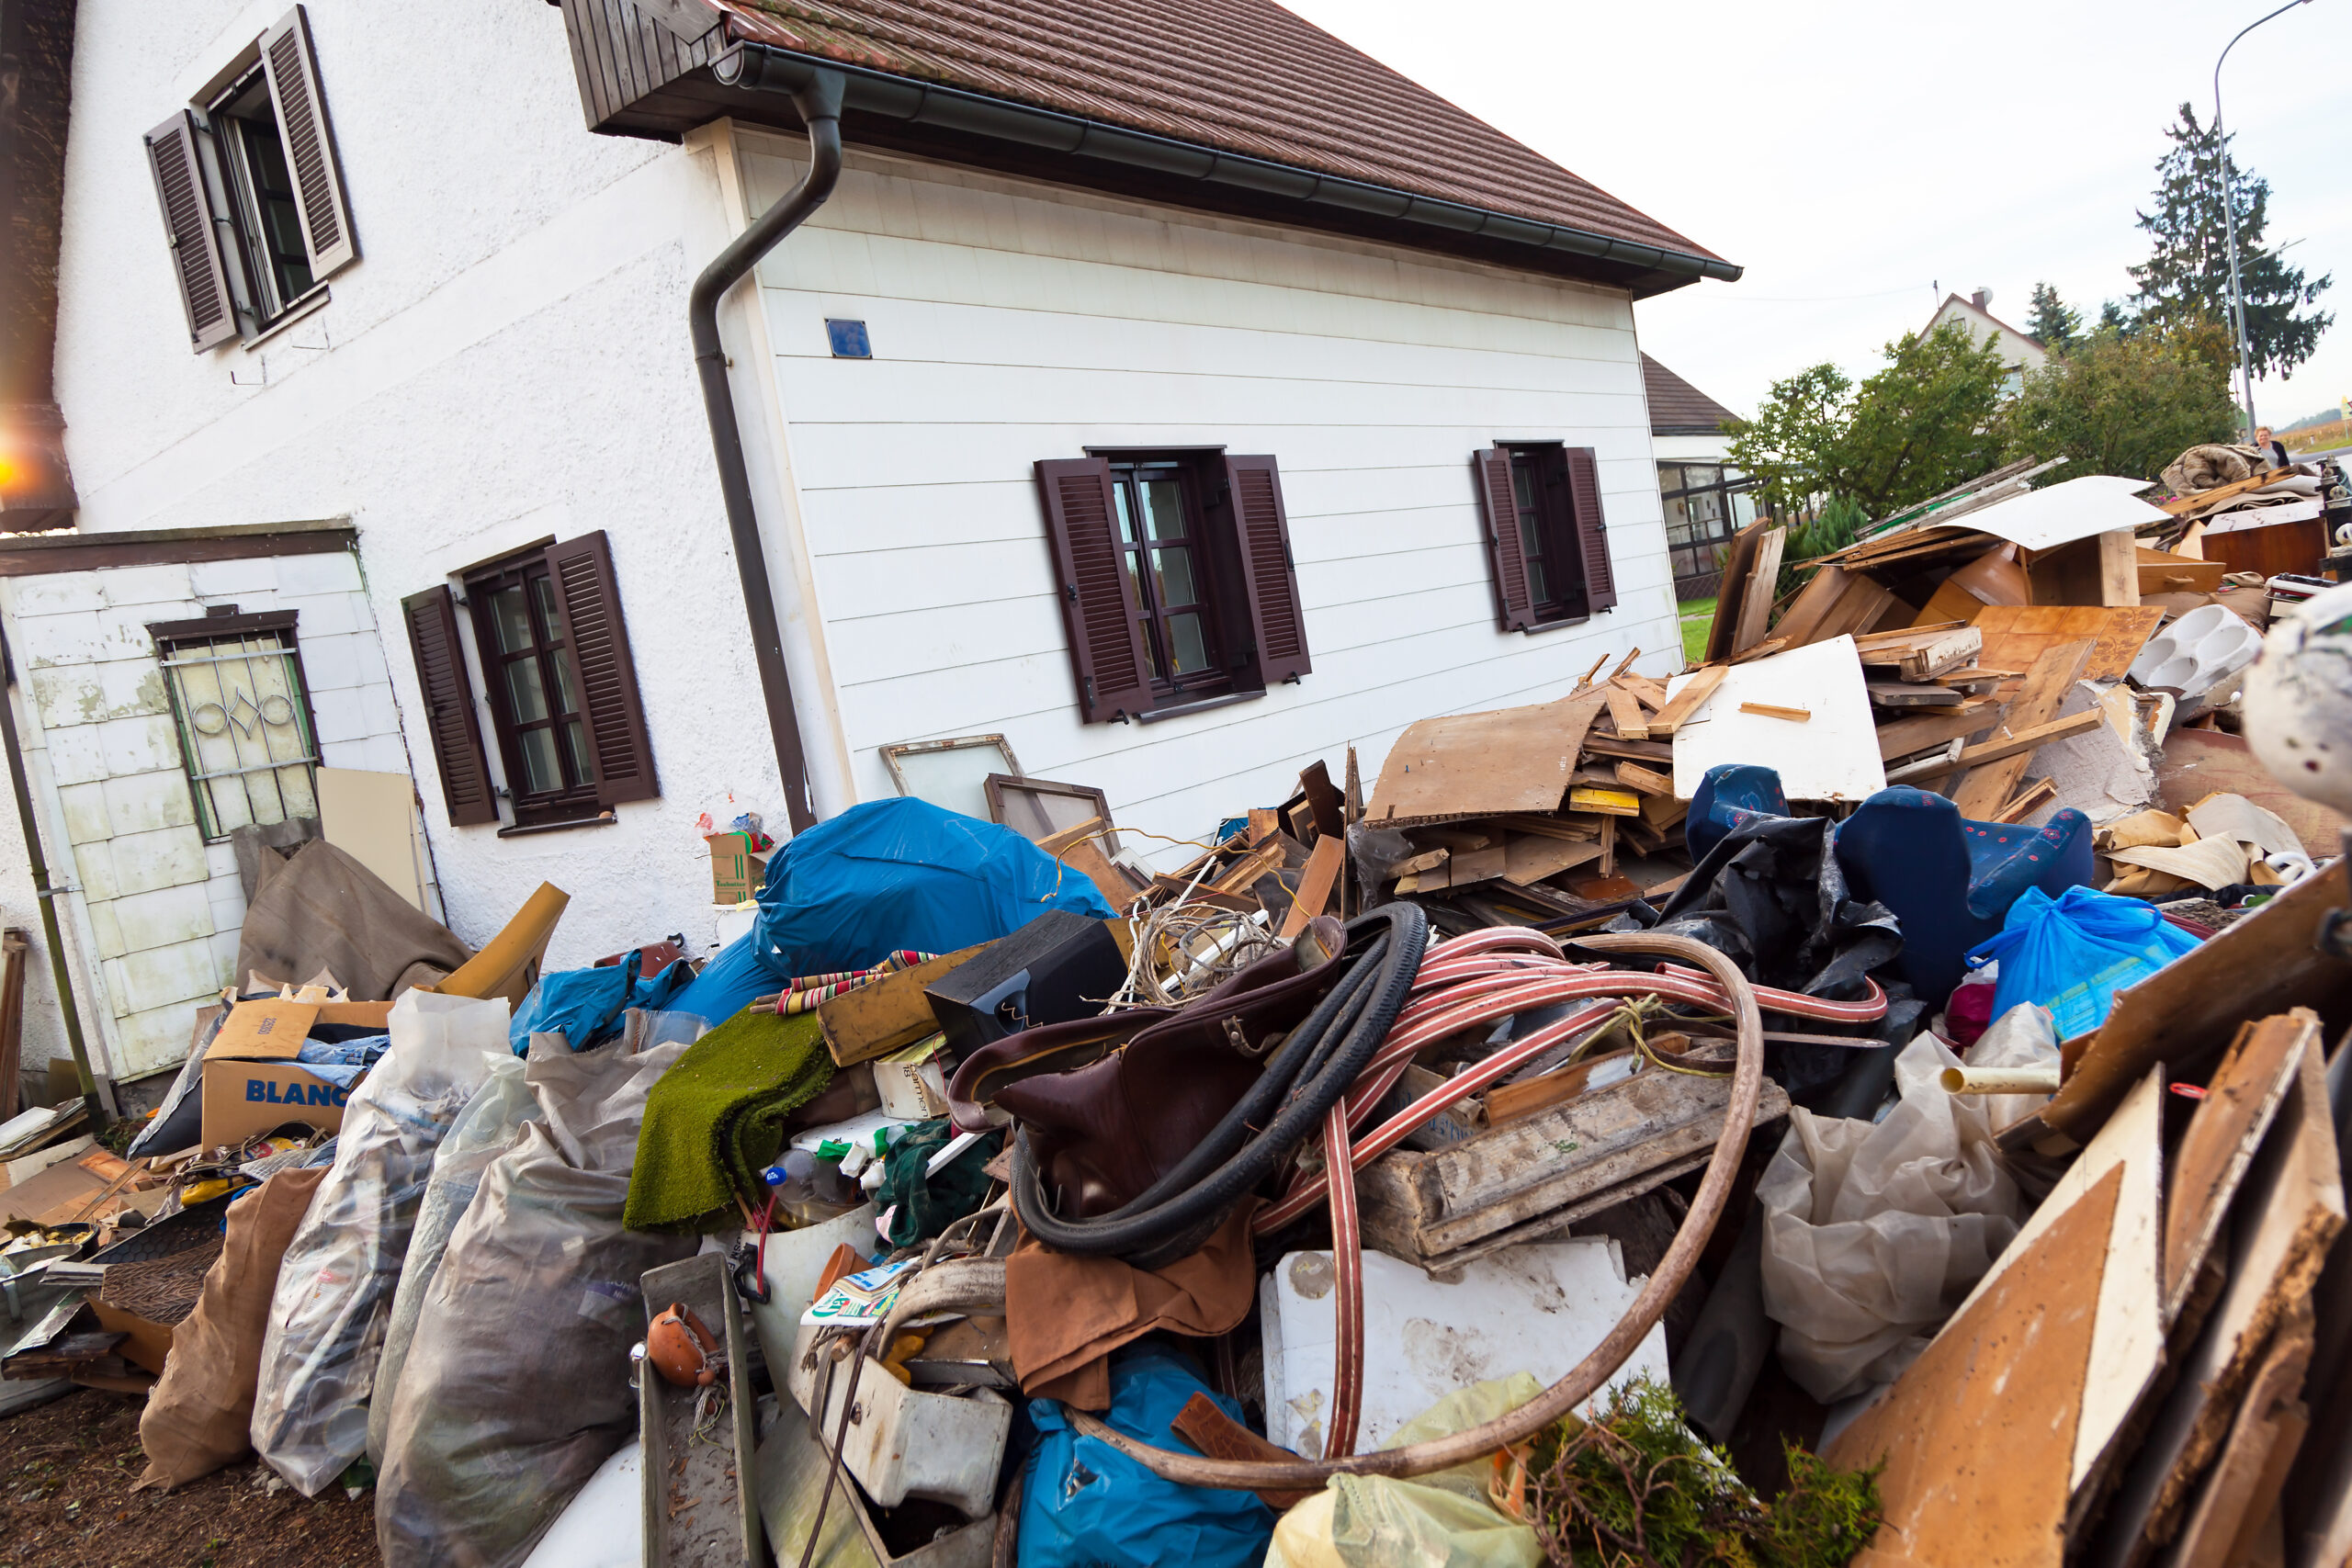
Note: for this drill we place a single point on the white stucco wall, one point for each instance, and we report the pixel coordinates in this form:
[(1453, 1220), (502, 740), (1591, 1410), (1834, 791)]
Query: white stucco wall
[(508, 360), (1013, 322)]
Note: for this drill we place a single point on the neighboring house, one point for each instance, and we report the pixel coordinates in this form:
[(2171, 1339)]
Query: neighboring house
[(1706, 502), (2018, 350), (1165, 405)]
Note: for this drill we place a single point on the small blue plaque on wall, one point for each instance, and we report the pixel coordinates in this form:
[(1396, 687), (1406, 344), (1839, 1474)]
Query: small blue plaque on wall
[(849, 339)]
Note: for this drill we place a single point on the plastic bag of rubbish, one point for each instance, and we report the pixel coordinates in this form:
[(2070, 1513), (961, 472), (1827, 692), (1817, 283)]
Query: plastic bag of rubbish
[(487, 1128), (1875, 1232), (2073, 952), (335, 1283), (516, 1386), (1439, 1520)]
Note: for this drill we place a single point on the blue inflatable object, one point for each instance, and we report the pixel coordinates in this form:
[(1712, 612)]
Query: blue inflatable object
[(885, 877), (1949, 881), (1086, 1505), (2073, 952)]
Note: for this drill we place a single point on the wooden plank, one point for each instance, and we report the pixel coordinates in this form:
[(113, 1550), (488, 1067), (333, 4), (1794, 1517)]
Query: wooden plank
[(1905, 735), (1483, 764), (1986, 788), (2241, 1099), (1924, 654), (1585, 679), (1243, 874), (2016, 634), (2119, 568), (1907, 636), (1906, 696), (1607, 866), (2033, 798), (1774, 710), (1683, 704), (1764, 649), (1606, 803), (1263, 822), (1554, 827), (1861, 608), (1649, 691), (1625, 663), (2031, 739), (2162, 571), (1976, 1434), (1634, 750), (1644, 781), (1625, 712), (1323, 798), (1428, 860), (1510, 1102), (2182, 505), (1458, 836), (1315, 886), (1530, 858), (1760, 589), (1740, 559), (1802, 621), (2245, 1482)]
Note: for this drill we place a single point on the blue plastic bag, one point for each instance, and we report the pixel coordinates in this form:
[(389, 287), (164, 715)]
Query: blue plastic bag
[(584, 1006), (885, 877), (2073, 952), (1086, 1505)]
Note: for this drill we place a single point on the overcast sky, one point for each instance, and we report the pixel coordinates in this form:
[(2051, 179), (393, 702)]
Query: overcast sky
[(1857, 158)]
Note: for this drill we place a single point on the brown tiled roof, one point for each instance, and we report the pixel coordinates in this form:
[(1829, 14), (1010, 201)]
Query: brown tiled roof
[(1678, 408), (1242, 76)]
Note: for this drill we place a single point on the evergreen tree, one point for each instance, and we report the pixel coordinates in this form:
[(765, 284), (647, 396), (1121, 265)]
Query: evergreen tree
[(2053, 321), (2111, 318), (2189, 274)]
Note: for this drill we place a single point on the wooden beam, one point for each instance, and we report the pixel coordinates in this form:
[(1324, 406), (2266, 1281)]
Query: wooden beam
[(2035, 795), (1315, 886), (1685, 703), (1625, 712), (2119, 568), (1644, 781), (1774, 710), (2031, 739), (1755, 598), (1988, 787), (1905, 735)]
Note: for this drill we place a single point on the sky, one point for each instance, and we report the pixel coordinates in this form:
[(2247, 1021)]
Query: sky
[(1862, 161)]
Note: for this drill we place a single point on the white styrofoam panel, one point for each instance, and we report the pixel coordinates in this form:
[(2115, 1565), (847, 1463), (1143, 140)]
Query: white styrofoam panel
[(130, 687), (76, 755), (104, 928), (83, 808), (1831, 755)]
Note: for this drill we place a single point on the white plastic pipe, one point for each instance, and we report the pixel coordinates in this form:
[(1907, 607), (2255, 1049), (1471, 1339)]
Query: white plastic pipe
[(2001, 1080)]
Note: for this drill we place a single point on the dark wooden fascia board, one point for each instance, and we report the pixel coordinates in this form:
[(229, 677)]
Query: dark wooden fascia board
[(49, 554), (223, 626)]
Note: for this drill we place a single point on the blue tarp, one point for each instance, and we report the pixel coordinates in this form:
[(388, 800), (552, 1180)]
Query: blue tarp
[(885, 877), (584, 1006)]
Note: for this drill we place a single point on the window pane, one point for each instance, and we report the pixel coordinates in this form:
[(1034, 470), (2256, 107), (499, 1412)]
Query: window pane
[(1189, 644), (543, 595), (1535, 583), (1523, 484), (1173, 567), (1531, 541), (512, 618), (524, 693), (1126, 523), (1707, 506), (1668, 477), (566, 699), (1702, 476), (1151, 649), (541, 774), (575, 746), (1163, 508), (1678, 512), (1134, 585)]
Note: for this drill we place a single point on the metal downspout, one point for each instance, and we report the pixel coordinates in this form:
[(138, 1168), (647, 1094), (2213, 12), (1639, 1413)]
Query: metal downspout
[(47, 897), (818, 99)]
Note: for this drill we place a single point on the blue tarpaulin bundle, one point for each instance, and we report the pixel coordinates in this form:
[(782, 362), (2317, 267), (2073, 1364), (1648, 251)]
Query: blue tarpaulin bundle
[(882, 877), (2073, 952)]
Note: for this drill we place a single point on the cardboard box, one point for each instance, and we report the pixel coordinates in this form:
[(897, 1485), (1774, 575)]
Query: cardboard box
[(252, 1082), (735, 872)]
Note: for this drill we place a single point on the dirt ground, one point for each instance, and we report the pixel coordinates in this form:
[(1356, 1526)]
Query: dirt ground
[(67, 1470)]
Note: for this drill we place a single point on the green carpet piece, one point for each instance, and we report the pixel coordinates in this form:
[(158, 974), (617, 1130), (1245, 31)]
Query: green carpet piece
[(717, 1118), (920, 1206)]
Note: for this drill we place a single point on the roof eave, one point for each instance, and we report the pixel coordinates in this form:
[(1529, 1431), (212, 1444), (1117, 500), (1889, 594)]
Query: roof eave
[(1654, 269)]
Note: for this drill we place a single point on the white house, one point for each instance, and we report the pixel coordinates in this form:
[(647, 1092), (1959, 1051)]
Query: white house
[(1171, 405), (1706, 498), (2018, 351)]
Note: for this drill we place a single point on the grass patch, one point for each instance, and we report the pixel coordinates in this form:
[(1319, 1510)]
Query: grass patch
[(1697, 614)]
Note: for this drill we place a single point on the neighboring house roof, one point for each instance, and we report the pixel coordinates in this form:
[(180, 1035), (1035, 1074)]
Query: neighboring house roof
[(2018, 348), (1223, 99), (1678, 408)]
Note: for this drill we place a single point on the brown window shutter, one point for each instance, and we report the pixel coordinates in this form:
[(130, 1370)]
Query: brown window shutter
[(1506, 557), (1263, 528), (188, 220), (597, 644), (1099, 608), (466, 788), (1592, 535), (292, 66)]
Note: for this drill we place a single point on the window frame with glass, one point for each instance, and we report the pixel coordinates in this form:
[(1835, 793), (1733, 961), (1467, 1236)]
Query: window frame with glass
[(1184, 639), (195, 655), (1697, 545), (534, 686), (1549, 549), (275, 261)]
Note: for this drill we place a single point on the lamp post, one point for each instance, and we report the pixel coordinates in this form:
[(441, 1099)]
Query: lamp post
[(2230, 219)]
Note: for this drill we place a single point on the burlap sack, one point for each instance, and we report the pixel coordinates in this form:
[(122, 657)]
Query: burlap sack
[(197, 1415)]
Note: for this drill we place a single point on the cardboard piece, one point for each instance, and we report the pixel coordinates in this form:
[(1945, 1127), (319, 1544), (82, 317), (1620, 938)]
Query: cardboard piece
[(736, 872), (889, 1015), (372, 818), (1833, 756), (1484, 764), (251, 1081)]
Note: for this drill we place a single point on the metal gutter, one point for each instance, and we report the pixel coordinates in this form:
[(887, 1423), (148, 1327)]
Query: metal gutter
[(765, 67), (816, 97)]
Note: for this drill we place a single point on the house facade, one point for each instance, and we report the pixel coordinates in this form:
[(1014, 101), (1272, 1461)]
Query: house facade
[(386, 451), (2020, 351), (1706, 500)]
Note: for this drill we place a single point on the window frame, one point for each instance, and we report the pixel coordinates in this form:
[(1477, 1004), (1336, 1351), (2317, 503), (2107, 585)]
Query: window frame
[(173, 636), (1543, 465), (1722, 491), (550, 654), (1205, 553), (226, 122)]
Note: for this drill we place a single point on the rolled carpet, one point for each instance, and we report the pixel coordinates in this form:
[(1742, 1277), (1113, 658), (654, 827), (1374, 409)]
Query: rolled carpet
[(716, 1118)]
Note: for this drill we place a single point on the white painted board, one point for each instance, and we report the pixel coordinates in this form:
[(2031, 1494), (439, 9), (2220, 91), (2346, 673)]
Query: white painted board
[(1539, 1308), (372, 818), (604, 1525), (1833, 755), (2061, 513)]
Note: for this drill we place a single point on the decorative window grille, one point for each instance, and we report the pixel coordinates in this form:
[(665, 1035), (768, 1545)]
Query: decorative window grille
[(244, 723)]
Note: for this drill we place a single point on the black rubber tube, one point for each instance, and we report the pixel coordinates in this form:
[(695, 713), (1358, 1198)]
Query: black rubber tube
[(1308, 1074)]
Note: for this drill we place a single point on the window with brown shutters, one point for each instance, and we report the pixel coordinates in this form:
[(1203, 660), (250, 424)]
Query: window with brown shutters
[(252, 198), (466, 787), (1547, 551), (561, 688), (1175, 577)]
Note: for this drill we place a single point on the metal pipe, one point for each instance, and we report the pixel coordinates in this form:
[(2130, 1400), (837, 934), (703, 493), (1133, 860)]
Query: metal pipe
[(2229, 217), (816, 95), (47, 897)]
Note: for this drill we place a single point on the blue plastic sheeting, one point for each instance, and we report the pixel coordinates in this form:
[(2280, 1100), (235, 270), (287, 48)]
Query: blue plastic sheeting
[(584, 1006), (2071, 953), (881, 877), (1083, 1503)]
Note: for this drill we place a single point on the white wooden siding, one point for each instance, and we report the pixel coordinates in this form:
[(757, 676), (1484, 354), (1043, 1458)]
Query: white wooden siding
[(1013, 322)]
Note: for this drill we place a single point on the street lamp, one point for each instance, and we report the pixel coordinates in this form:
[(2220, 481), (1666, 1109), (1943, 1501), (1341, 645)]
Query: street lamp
[(2230, 218)]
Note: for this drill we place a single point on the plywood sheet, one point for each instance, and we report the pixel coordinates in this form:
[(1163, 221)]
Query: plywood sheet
[(1977, 1434), (2241, 1099), (372, 818), (2016, 634), (1833, 756), (1483, 764), (2199, 762)]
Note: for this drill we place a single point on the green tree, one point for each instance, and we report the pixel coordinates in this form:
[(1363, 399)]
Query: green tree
[(2189, 274), (2053, 321), (2126, 403), (2111, 318), (1927, 421)]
